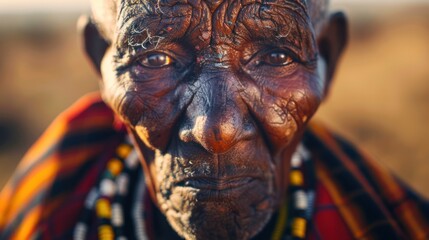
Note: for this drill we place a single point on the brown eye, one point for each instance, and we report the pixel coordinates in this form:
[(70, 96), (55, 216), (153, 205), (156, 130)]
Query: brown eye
[(157, 60), (278, 59)]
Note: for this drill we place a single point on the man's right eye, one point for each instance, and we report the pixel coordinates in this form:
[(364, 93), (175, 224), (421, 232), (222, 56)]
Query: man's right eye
[(156, 60)]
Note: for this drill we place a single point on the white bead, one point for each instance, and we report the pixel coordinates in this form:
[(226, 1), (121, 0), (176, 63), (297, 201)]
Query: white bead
[(301, 201), (117, 215), (296, 160), (122, 184), (80, 231), (132, 160), (107, 187), (306, 155), (91, 198)]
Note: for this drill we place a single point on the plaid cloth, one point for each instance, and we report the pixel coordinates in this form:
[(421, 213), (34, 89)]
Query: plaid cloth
[(355, 197)]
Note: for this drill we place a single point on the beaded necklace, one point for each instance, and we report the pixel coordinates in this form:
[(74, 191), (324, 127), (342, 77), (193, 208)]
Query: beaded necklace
[(122, 182), (108, 197), (301, 194)]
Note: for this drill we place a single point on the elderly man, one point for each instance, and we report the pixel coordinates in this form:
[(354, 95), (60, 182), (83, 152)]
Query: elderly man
[(203, 133)]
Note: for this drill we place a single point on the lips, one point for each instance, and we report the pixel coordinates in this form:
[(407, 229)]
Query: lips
[(218, 184)]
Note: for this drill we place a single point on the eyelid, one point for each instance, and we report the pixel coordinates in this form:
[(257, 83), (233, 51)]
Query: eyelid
[(126, 59), (142, 54), (128, 55)]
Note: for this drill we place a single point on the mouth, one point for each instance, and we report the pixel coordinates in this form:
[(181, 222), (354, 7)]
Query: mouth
[(239, 190), (217, 184)]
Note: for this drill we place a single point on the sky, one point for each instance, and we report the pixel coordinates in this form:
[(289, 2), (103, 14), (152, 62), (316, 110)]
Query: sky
[(25, 6)]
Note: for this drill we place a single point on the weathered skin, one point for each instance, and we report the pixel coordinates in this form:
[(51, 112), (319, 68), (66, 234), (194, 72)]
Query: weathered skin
[(216, 95)]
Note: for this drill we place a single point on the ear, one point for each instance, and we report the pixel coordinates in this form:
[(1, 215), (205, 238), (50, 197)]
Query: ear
[(93, 43), (332, 40)]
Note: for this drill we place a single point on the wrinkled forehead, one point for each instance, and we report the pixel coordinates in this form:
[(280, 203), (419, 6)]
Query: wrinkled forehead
[(229, 18), (108, 14), (130, 8)]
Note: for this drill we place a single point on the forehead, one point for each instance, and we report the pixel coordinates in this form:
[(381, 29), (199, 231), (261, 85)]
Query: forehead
[(211, 21), (128, 8)]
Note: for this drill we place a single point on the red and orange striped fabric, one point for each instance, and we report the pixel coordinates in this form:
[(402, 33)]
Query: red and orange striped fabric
[(355, 191), (45, 195), (355, 197)]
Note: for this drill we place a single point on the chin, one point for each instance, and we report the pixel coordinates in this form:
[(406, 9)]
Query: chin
[(236, 213)]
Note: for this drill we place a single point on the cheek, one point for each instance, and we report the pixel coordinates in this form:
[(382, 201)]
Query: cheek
[(120, 91), (299, 94), (283, 107)]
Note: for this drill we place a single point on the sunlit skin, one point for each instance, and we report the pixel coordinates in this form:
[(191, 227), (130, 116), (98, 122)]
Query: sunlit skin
[(216, 96)]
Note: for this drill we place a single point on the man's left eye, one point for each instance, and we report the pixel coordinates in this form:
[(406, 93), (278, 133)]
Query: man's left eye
[(156, 60), (278, 58)]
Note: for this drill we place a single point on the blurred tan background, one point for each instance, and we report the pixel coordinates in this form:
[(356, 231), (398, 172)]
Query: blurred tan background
[(380, 97)]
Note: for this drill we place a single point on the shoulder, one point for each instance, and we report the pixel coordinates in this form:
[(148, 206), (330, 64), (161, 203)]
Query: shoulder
[(371, 201), (56, 173)]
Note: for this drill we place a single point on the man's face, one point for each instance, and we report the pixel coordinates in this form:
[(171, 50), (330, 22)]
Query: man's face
[(216, 96)]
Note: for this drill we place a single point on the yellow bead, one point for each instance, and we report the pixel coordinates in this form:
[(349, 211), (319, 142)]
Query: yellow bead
[(123, 150), (105, 232), (102, 208), (296, 178), (299, 227), (115, 166)]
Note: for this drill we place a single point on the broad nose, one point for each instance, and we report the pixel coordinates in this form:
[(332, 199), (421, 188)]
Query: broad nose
[(217, 119), (217, 131)]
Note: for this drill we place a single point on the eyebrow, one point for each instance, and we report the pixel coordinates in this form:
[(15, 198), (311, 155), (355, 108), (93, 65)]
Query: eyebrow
[(146, 29), (136, 34), (283, 24), (136, 37)]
